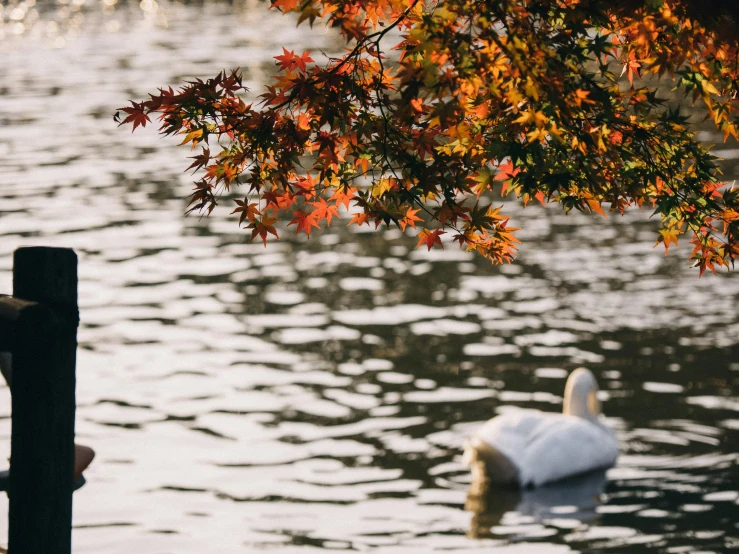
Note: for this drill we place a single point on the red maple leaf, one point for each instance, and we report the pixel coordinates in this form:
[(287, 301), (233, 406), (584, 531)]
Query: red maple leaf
[(462, 239), (201, 160), (247, 210), (286, 61), (303, 60), (277, 201), (136, 115), (506, 171), (262, 227), (289, 61)]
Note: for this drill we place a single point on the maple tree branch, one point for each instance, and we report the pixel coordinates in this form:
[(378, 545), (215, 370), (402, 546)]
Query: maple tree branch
[(482, 83), (375, 37)]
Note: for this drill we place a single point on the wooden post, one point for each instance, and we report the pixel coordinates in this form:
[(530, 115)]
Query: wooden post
[(43, 393)]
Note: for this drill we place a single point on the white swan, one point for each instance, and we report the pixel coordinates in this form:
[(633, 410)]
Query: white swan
[(530, 447)]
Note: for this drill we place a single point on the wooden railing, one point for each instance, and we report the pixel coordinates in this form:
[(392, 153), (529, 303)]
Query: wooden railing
[(38, 324)]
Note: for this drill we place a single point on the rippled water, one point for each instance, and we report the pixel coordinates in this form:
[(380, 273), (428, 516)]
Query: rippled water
[(315, 394)]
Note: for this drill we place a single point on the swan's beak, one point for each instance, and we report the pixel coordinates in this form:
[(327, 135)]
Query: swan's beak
[(594, 403)]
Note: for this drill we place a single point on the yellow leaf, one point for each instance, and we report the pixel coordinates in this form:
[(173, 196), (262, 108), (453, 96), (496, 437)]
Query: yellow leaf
[(382, 186), (540, 120), (525, 117), (708, 87), (531, 89), (194, 136), (537, 134)]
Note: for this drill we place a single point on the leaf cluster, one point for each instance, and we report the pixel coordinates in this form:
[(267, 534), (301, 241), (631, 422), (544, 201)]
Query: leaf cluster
[(548, 100)]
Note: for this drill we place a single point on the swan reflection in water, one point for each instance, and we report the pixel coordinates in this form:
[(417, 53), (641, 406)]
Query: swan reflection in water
[(575, 498)]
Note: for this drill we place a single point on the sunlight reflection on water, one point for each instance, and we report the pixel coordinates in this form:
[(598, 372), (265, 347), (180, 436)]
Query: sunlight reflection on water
[(315, 395)]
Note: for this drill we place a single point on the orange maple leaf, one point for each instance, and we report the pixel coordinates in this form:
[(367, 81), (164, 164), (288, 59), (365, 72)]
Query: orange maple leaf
[(286, 5), (324, 211), (303, 122), (360, 219), (409, 219), (430, 238), (506, 172), (304, 222), (594, 205), (344, 195)]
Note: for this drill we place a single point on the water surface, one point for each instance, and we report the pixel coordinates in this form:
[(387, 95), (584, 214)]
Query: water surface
[(315, 395)]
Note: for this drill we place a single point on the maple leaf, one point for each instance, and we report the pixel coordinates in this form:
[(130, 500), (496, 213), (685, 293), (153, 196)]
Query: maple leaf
[(712, 189), (344, 195), (289, 61), (409, 219), (482, 217), (594, 205), (431, 127), (631, 66), (262, 228), (582, 97), (247, 210), (363, 163), (360, 219), (195, 136), (303, 122), (451, 213), (307, 186), (324, 210), (667, 236), (468, 238), (304, 222), (201, 160), (383, 186), (286, 5), (278, 201), (286, 60), (430, 238), (506, 172), (136, 115), (304, 60), (539, 135), (202, 197)]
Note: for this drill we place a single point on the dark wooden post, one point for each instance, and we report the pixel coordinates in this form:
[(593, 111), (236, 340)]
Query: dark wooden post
[(43, 393)]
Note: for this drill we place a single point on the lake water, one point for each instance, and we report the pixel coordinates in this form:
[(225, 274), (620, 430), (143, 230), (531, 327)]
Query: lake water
[(315, 395)]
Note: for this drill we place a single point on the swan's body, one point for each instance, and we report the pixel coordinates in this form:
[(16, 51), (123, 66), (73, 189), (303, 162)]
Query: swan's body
[(530, 448)]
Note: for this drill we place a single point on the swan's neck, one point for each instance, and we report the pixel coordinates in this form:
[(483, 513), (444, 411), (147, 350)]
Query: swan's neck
[(581, 397)]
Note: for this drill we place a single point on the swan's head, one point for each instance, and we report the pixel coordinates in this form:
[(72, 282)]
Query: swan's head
[(581, 395)]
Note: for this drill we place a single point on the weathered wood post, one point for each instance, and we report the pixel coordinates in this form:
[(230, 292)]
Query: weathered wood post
[(43, 393)]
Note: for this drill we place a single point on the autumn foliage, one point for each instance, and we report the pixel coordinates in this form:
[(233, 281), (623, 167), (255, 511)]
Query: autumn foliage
[(436, 107)]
